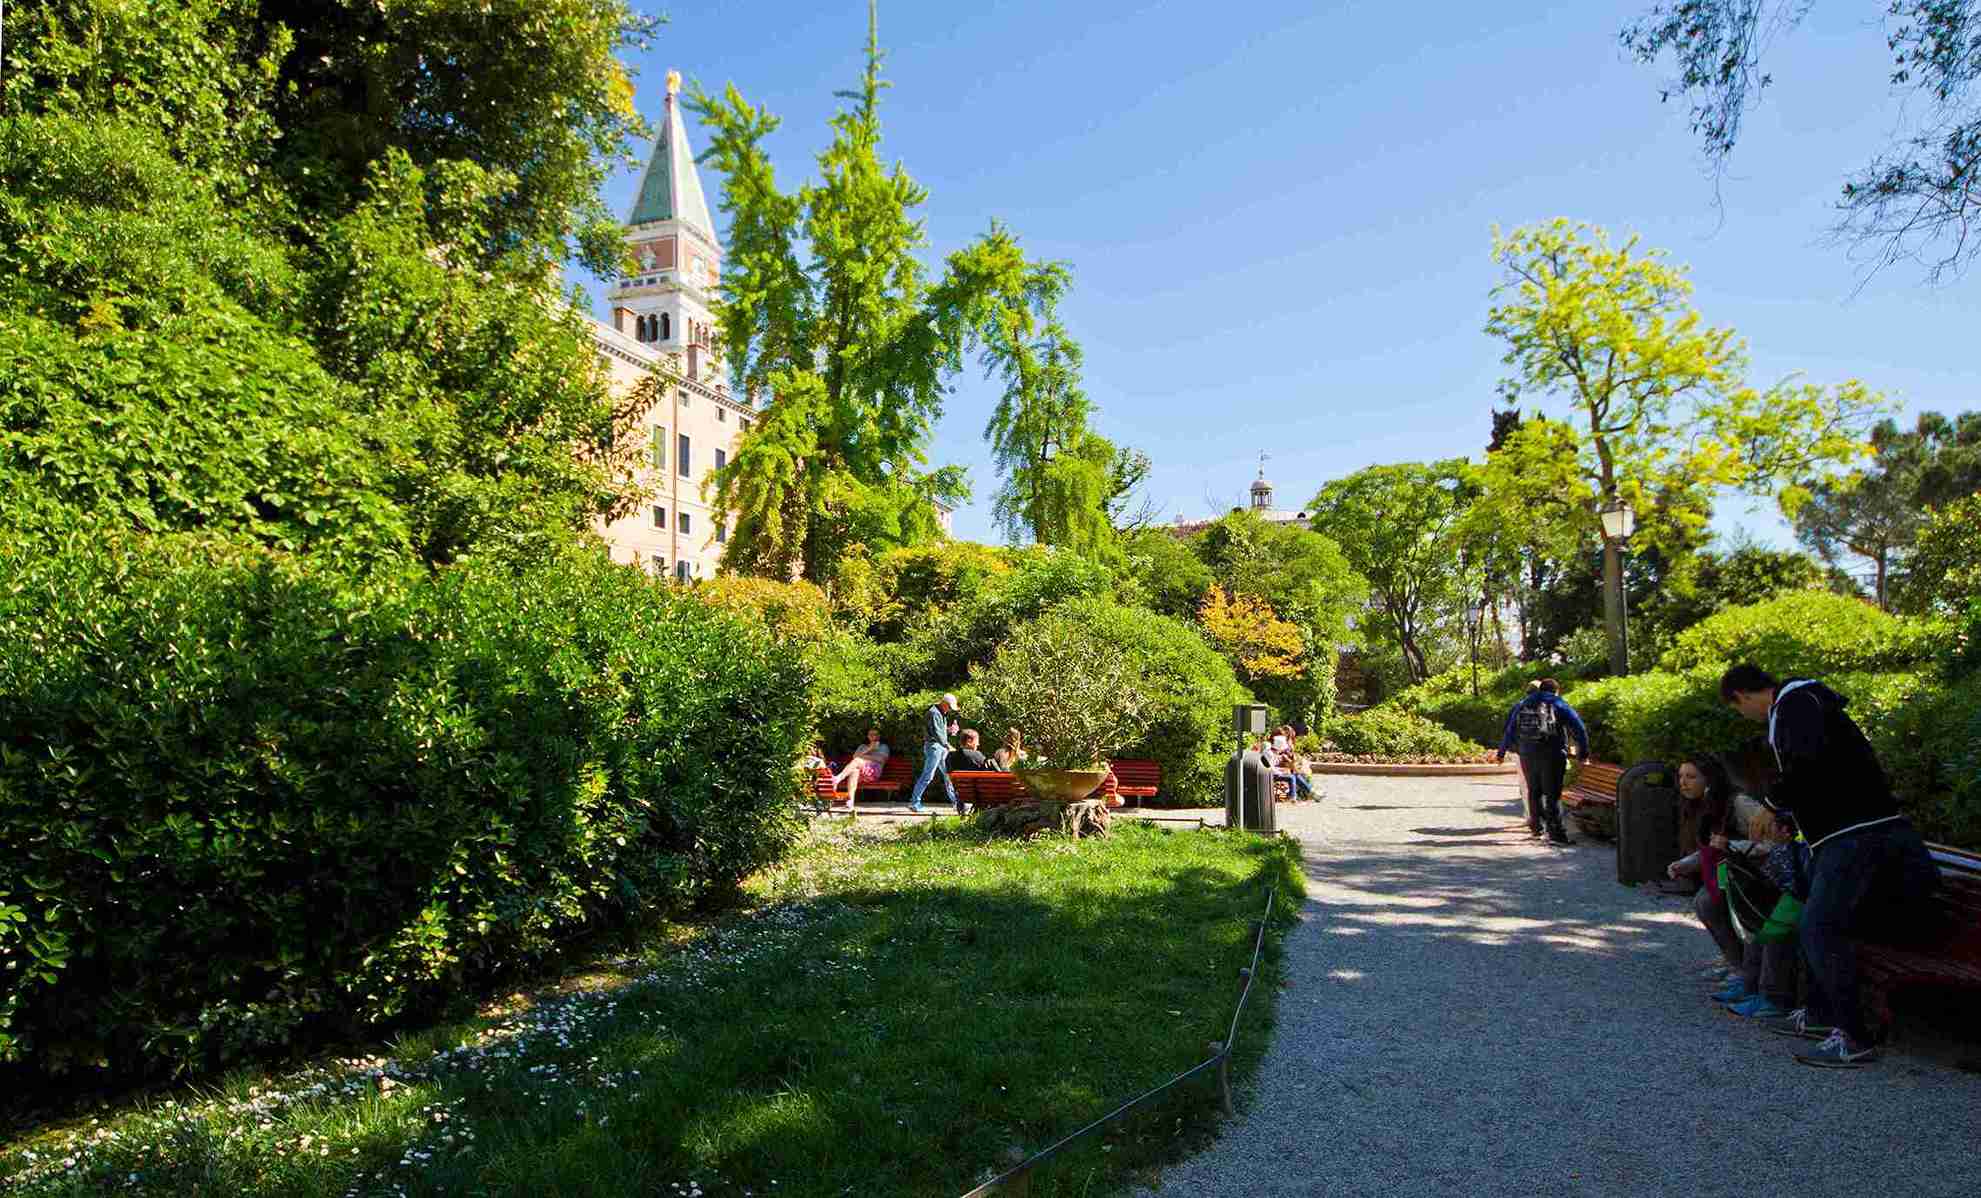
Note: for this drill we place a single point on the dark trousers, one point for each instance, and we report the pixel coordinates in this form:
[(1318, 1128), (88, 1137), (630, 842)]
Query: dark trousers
[(1544, 768), (1876, 883)]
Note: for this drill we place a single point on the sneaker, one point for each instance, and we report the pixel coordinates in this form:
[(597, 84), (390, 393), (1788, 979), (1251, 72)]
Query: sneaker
[(1756, 1006), (1800, 1022), (917, 808), (1718, 971), (1734, 991), (1839, 1051), (1558, 836)]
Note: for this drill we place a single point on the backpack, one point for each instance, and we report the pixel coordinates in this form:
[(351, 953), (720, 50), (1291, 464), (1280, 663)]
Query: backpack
[(1536, 725)]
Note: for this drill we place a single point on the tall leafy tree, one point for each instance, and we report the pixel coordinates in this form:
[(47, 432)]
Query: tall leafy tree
[(829, 312), (1059, 478), (1920, 197), (1657, 402), (1874, 514), (299, 262), (1400, 527)]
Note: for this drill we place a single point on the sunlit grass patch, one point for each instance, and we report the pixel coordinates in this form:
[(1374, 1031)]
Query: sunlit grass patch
[(890, 1012)]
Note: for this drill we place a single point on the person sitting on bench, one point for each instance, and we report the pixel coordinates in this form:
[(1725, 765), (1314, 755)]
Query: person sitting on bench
[(968, 756), (1869, 870), (865, 766)]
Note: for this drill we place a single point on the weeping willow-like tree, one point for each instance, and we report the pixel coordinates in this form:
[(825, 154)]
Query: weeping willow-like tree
[(829, 311)]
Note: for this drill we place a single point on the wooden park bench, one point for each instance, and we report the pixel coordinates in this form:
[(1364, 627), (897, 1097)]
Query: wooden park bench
[(1951, 961), (896, 778), (1591, 797), (986, 788), (1136, 778)]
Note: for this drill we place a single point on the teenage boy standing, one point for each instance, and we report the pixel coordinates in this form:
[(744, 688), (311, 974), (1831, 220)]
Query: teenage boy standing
[(1870, 869)]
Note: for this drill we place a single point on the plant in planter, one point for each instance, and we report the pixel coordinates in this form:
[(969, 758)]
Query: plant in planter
[(1074, 699)]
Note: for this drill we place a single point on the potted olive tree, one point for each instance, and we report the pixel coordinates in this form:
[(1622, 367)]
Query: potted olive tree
[(1073, 697)]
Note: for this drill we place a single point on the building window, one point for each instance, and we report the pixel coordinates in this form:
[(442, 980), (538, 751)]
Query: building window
[(686, 521), (665, 333), (721, 459), (686, 398), (682, 570), (721, 417), (746, 424), (659, 564), (659, 516), (658, 444), (681, 463), (721, 532)]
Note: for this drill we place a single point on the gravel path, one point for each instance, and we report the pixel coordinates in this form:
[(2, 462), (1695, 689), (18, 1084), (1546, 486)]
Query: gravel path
[(1472, 1013)]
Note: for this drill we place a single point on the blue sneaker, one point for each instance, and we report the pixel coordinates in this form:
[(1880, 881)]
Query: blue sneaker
[(1756, 1007), (916, 808), (1838, 1052), (1734, 991)]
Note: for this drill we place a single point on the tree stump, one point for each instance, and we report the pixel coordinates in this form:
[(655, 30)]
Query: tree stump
[(1087, 817)]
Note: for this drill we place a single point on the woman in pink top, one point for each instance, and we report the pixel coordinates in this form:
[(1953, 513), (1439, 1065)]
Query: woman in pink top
[(866, 765)]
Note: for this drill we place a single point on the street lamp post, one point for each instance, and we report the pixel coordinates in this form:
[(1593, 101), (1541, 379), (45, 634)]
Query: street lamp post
[(1618, 523)]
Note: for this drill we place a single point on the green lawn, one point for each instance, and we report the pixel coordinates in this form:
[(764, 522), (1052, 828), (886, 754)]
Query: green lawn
[(890, 1013)]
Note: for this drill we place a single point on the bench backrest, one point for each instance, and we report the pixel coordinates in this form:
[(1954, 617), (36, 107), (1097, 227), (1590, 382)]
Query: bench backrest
[(987, 788), (1599, 776), (1960, 897), (1138, 771)]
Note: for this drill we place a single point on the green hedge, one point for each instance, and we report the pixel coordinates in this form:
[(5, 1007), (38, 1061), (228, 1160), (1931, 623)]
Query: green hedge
[(1806, 633), (1382, 732), (1926, 732), (246, 801)]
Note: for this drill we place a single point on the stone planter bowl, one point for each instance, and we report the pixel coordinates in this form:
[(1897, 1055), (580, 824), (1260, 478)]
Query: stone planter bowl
[(1062, 786)]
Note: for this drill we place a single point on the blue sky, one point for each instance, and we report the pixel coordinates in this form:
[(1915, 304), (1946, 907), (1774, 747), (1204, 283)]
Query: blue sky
[(1279, 214)]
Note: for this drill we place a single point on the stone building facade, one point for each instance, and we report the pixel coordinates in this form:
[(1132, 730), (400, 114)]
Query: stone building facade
[(660, 322)]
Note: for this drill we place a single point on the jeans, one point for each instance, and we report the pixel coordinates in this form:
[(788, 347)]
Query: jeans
[(1877, 883), (1711, 910), (935, 760), (1544, 768), (1769, 969)]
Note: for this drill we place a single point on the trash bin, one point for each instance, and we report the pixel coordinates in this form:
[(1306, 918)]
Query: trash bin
[(1258, 812), (1646, 822)]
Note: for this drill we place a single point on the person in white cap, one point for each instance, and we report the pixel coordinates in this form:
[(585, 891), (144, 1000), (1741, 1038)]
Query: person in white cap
[(935, 754)]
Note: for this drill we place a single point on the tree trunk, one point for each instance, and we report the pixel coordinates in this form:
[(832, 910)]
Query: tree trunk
[(1882, 605), (1613, 606)]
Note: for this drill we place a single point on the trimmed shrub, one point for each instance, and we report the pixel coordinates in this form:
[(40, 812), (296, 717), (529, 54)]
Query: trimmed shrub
[(1186, 689), (247, 800), (1808, 633), (1925, 732), (1382, 732), (1076, 698)]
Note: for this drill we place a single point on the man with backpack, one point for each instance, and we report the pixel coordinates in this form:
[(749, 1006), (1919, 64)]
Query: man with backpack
[(1538, 728)]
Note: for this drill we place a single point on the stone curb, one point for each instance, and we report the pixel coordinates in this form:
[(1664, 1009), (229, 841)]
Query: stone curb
[(1465, 769)]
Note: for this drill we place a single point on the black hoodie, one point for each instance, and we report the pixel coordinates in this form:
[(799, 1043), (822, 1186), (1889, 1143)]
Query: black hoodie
[(1830, 778)]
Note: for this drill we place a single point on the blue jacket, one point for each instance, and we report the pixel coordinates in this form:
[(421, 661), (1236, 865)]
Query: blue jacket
[(1565, 717)]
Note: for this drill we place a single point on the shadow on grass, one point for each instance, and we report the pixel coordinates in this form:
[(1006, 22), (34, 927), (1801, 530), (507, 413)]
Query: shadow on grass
[(909, 1027)]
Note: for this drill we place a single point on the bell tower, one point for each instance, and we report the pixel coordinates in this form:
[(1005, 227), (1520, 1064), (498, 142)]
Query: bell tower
[(664, 303)]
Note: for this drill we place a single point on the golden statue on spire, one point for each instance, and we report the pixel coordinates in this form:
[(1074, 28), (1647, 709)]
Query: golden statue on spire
[(673, 82)]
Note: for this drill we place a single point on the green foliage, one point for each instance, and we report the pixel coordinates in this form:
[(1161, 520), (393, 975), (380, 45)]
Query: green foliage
[(1058, 475), (944, 643), (1699, 584), (1077, 700), (1877, 513), (1400, 528), (249, 801), (1808, 633), (828, 309), (1924, 732), (1186, 691), (1943, 571), (1169, 575), (1387, 732)]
